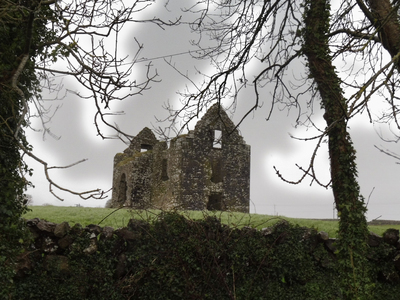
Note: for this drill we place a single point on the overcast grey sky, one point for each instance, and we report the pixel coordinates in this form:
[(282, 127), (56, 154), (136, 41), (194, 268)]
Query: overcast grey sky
[(271, 144)]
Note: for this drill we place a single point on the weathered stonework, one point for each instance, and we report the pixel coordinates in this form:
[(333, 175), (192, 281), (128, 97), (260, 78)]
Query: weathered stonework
[(208, 168)]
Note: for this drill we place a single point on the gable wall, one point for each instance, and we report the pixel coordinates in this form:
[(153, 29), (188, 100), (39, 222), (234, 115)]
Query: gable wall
[(189, 175)]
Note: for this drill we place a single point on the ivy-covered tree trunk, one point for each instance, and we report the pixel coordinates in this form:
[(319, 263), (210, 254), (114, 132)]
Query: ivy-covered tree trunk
[(11, 193), (353, 230), (17, 81)]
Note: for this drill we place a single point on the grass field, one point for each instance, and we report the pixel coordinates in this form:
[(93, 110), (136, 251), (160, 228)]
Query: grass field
[(119, 218)]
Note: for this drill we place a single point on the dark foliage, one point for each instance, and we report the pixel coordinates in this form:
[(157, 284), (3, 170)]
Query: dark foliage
[(21, 33), (176, 258)]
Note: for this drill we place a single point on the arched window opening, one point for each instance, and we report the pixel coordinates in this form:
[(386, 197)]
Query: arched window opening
[(122, 190)]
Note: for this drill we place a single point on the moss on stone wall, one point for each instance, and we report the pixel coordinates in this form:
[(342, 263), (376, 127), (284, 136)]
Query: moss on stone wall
[(177, 258), (132, 157), (189, 170)]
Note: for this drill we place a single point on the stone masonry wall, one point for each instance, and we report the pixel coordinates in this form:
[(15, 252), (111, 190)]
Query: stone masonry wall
[(58, 251), (208, 168)]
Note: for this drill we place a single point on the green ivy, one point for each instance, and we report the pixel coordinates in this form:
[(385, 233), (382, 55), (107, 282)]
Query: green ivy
[(353, 232), (177, 258), (22, 32)]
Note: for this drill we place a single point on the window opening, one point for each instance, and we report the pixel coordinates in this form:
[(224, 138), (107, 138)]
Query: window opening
[(215, 202), (164, 173), (122, 190), (217, 143), (145, 147), (216, 170)]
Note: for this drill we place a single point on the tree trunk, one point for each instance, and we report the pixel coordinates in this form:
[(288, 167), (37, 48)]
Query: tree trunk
[(350, 205), (386, 22)]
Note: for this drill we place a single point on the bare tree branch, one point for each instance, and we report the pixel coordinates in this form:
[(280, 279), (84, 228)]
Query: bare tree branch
[(78, 33)]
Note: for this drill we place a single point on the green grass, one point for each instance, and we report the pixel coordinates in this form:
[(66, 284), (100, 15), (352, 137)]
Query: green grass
[(82, 215), (119, 218)]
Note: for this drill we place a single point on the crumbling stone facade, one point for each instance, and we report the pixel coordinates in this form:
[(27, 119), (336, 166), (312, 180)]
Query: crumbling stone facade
[(206, 169)]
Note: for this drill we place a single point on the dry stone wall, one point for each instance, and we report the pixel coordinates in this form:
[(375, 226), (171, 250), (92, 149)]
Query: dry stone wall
[(173, 255)]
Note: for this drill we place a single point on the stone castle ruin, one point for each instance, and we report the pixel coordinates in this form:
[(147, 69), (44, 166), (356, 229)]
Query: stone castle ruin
[(206, 169)]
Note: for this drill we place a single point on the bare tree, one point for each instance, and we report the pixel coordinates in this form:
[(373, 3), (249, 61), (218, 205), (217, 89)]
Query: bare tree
[(351, 58), (76, 39), (42, 39)]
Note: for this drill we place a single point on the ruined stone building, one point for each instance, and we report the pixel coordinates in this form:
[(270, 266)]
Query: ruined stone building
[(208, 168)]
